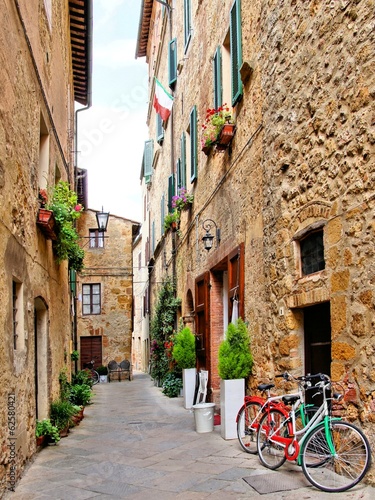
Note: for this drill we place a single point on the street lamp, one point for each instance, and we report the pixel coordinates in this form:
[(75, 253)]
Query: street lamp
[(102, 220), (208, 238)]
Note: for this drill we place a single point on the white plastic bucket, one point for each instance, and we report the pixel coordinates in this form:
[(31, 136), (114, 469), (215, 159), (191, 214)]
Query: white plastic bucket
[(204, 417)]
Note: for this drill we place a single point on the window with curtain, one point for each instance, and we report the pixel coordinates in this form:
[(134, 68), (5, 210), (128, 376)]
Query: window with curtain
[(96, 238)]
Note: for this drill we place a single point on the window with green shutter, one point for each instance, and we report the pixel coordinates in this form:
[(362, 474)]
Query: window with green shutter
[(181, 170), (148, 155), (172, 62), (235, 51), (187, 23), (218, 83), (171, 192), (193, 145), (162, 214), (159, 129)]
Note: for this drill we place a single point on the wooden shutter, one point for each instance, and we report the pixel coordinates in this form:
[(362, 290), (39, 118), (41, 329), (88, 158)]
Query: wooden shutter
[(162, 214), (193, 145), (202, 320), (171, 191), (187, 23), (236, 279), (148, 155), (182, 175), (235, 51), (218, 84), (172, 62)]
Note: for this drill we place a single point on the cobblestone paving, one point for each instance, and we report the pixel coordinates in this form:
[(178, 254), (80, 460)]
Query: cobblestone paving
[(136, 443)]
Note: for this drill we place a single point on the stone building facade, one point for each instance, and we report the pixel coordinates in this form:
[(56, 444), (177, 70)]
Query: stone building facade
[(38, 82), (104, 290), (293, 194)]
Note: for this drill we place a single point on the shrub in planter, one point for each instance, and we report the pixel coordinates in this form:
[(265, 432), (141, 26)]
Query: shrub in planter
[(172, 385), (61, 414), (45, 428), (184, 349), (82, 377), (80, 394), (235, 358), (102, 370)]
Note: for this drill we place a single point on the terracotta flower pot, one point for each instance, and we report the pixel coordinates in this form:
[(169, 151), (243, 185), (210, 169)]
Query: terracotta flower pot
[(46, 223), (226, 134)]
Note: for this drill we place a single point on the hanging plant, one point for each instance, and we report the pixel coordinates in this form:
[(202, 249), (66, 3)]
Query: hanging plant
[(162, 329), (66, 210)]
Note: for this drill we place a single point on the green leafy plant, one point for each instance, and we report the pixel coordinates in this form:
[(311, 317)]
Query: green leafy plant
[(61, 413), (235, 358), (66, 210), (184, 349), (82, 377), (102, 370), (162, 328), (64, 384), (172, 217), (80, 394), (74, 355), (46, 428), (172, 385)]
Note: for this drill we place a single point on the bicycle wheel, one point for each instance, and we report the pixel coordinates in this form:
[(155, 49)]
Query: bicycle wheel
[(95, 377), (343, 469), (247, 426), (271, 425)]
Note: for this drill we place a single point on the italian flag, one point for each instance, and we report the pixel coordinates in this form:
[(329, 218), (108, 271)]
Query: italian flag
[(163, 101)]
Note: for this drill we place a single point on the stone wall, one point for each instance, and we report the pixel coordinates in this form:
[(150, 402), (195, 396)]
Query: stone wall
[(35, 80), (111, 267), (302, 158)]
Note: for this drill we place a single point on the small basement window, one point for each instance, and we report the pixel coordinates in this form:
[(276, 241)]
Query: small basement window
[(312, 252)]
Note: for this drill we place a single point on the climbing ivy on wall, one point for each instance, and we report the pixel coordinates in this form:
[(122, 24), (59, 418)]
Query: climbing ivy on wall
[(162, 329)]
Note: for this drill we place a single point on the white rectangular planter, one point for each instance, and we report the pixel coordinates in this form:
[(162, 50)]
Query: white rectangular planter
[(232, 393), (189, 376)]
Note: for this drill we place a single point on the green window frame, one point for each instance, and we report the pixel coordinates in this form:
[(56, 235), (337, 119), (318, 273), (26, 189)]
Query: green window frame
[(172, 62), (181, 165), (148, 156), (187, 23), (162, 214), (159, 129), (236, 51), (218, 80), (193, 145), (171, 192)]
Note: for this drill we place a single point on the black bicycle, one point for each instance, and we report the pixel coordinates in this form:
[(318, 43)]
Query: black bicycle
[(94, 375)]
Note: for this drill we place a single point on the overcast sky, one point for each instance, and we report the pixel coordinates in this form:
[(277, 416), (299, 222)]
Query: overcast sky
[(112, 132)]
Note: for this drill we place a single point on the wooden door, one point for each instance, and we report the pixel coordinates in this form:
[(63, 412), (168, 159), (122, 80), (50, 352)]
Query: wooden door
[(91, 350)]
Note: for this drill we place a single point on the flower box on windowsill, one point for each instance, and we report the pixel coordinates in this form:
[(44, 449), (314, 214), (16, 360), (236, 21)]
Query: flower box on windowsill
[(46, 223), (226, 135)]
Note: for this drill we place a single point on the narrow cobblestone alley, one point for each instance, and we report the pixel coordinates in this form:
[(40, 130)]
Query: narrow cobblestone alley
[(136, 443)]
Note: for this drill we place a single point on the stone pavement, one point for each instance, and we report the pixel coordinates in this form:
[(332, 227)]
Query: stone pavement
[(136, 443)]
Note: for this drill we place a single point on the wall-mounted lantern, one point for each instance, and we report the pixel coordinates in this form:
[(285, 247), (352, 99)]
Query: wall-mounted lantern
[(208, 238)]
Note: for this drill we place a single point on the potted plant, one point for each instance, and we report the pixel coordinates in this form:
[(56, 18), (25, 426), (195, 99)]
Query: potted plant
[(218, 128), (172, 385), (172, 220), (61, 415), (62, 203), (182, 200), (45, 429), (80, 394), (235, 364), (103, 373), (185, 357)]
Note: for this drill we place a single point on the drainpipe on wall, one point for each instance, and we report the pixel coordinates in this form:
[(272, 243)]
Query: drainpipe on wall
[(89, 24)]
